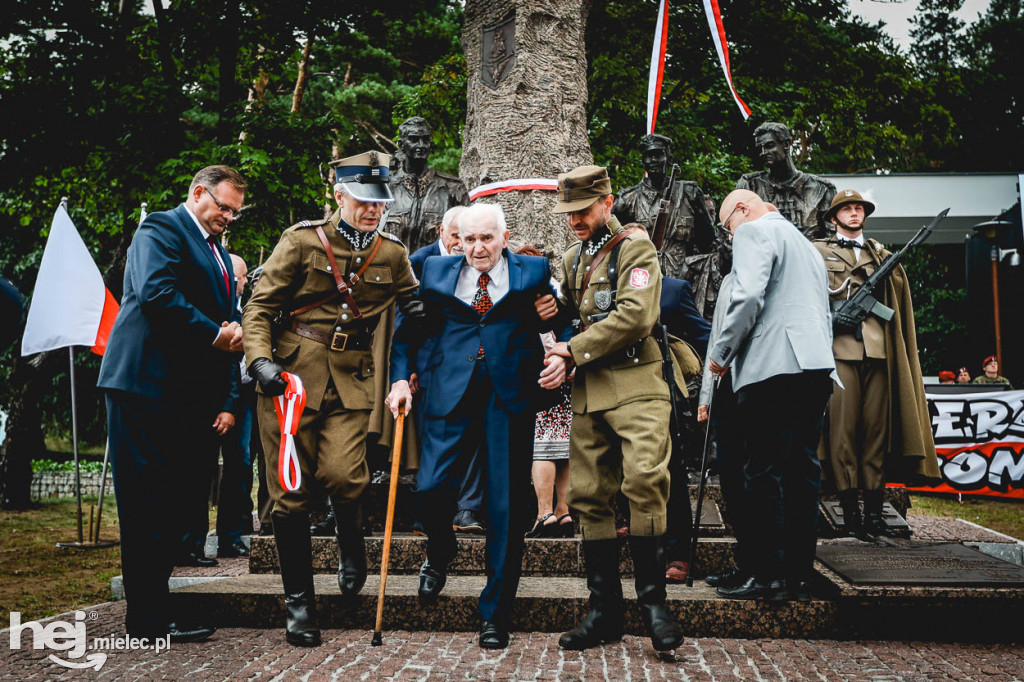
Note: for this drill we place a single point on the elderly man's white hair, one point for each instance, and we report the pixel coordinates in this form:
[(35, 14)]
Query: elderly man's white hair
[(450, 215), (480, 212)]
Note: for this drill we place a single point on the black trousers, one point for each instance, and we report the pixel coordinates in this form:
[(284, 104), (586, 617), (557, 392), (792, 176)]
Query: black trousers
[(782, 418), (730, 443), (158, 453)]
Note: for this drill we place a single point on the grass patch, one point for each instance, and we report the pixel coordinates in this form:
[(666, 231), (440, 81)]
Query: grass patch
[(1000, 514)]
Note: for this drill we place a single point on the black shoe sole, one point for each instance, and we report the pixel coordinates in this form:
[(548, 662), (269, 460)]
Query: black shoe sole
[(589, 645), (299, 640), (675, 644)]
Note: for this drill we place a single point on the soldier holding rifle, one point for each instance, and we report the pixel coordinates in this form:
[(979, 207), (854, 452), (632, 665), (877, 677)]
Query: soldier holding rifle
[(881, 413)]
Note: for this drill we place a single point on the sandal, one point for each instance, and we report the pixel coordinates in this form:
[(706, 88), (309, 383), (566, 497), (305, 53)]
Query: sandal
[(540, 529), (565, 526)]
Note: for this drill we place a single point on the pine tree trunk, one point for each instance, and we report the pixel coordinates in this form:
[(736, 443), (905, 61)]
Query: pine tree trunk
[(533, 122)]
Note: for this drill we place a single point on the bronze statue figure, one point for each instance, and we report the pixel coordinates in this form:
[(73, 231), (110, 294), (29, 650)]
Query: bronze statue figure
[(801, 197), (690, 229), (422, 194)]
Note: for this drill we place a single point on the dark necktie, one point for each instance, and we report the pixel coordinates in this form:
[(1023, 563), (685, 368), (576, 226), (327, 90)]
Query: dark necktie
[(482, 303), (220, 264), (847, 243)]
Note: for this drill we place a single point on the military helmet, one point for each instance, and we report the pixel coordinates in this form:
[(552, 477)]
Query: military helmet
[(848, 196)]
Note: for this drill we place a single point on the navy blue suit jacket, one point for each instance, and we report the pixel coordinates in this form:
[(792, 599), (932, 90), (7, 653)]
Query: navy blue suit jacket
[(161, 345), (679, 313), (509, 333), (418, 259)]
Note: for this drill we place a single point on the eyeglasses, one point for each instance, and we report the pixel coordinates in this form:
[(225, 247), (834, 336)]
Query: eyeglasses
[(724, 225), (226, 210)]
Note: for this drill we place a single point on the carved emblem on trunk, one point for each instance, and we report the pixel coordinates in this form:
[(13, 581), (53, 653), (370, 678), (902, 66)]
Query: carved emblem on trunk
[(499, 51)]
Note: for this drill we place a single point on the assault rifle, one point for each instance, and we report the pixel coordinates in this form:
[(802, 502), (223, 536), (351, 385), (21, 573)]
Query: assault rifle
[(668, 373), (847, 315), (665, 211)]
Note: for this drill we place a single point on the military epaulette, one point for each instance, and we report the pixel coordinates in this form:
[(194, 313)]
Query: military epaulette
[(388, 235), (446, 176), (309, 223)]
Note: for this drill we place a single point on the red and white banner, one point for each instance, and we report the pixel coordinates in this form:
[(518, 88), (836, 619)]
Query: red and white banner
[(289, 407), (521, 185), (70, 304), (979, 438), (657, 65), (714, 15)]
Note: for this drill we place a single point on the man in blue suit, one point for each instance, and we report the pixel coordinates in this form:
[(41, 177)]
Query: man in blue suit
[(171, 382), (480, 390)]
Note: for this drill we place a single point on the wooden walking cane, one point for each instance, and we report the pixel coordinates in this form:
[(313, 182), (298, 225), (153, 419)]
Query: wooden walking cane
[(700, 488), (396, 461)]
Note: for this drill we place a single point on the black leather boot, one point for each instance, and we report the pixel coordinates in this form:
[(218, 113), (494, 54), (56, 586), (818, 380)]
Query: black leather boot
[(351, 547), (326, 526), (852, 525), (294, 555), (874, 524), (649, 576), (603, 622)]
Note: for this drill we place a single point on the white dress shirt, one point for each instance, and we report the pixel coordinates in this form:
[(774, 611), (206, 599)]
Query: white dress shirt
[(469, 278)]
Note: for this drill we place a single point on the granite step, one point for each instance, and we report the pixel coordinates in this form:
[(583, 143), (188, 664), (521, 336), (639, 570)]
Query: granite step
[(542, 557)]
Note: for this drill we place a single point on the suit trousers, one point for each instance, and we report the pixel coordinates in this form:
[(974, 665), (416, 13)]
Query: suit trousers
[(234, 500), (479, 425), (857, 418), (156, 450), (729, 444), (782, 418), (626, 447), (331, 446)]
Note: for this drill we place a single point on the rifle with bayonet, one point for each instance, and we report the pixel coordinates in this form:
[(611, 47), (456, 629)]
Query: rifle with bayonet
[(666, 211), (848, 314)]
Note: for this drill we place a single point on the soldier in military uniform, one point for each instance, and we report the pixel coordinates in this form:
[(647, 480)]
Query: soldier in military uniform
[(801, 197), (691, 230), (611, 285), (881, 410), (313, 314), (422, 194)]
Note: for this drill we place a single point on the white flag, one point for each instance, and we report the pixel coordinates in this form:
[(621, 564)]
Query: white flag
[(70, 300)]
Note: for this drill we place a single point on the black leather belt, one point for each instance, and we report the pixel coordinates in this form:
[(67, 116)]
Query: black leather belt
[(338, 341)]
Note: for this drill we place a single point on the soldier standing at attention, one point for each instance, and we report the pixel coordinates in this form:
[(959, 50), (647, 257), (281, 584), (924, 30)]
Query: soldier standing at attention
[(881, 410), (611, 284), (313, 314)]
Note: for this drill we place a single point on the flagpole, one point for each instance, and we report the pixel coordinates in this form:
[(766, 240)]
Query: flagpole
[(74, 444)]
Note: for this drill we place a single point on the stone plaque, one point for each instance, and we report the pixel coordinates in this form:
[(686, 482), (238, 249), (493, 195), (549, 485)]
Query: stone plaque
[(942, 564), (833, 513), (499, 51)]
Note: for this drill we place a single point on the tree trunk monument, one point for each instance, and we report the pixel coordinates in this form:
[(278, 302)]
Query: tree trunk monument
[(526, 111)]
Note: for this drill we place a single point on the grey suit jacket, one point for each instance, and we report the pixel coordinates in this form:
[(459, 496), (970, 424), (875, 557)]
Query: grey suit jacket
[(777, 317), (724, 292)]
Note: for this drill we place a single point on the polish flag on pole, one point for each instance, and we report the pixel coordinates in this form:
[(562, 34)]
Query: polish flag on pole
[(70, 304), (714, 14), (657, 65)]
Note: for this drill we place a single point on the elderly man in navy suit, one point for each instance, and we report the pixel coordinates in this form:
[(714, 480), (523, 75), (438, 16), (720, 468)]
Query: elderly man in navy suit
[(171, 383), (480, 390)]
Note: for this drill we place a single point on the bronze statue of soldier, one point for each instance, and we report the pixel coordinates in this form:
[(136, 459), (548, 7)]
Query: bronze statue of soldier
[(802, 198), (422, 194), (690, 229)]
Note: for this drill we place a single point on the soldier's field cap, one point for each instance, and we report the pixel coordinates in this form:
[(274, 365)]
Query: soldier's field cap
[(848, 196), (365, 176), (581, 187)]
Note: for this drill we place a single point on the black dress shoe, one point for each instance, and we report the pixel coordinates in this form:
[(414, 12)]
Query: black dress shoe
[(196, 559), (432, 581), (492, 637), (731, 578), (774, 590), (229, 550), (196, 633), (466, 521)]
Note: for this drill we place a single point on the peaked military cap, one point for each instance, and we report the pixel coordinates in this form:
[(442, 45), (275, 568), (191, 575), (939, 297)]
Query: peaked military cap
[(581, 187), (365, 176), (848, 196)]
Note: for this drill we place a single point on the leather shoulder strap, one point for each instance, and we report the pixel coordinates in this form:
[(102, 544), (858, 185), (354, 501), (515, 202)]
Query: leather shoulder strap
[(343, 290)]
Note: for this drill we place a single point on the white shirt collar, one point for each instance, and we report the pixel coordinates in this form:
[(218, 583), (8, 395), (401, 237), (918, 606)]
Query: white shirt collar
[(499, 273), (440, 245), (202, 231)]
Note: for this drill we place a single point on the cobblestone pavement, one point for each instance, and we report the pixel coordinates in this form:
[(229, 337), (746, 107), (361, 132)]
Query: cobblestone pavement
[(248, 654)]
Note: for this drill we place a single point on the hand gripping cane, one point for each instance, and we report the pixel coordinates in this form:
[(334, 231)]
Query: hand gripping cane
[(700, 487), (396, 460)]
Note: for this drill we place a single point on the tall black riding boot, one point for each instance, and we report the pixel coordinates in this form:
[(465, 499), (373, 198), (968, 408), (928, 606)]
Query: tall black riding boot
[(603, 623), (351, 547), (326, 526), (649, 576), (874, 524), (852, 526), (295, 556)]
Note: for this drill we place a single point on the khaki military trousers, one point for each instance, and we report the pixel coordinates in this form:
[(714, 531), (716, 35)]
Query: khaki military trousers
[(626, 447), (857, 419), (331, 445)]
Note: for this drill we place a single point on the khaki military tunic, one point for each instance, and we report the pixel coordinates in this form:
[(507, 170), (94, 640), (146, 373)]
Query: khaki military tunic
[(340, 384), (858, 413), (620, 401)]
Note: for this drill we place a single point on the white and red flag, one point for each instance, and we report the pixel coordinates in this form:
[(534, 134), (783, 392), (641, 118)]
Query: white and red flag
[(70, 304), (657, 72), (714, 14)]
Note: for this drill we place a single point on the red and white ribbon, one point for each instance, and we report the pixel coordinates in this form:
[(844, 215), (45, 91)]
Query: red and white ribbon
[(520, 184), (289, 411), (657, 65), (714, 15)]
